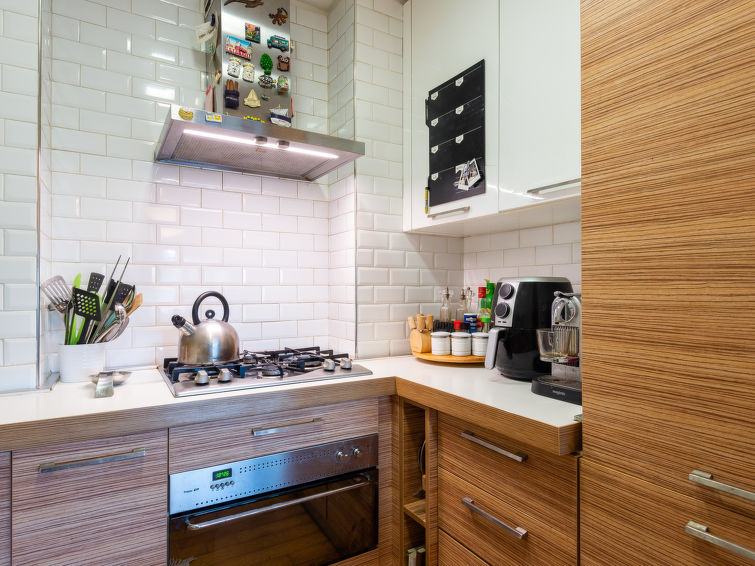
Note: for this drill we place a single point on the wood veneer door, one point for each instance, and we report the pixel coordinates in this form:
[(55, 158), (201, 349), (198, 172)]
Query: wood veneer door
[(668, 240), (630, 522), (4, 508), (98, 513)]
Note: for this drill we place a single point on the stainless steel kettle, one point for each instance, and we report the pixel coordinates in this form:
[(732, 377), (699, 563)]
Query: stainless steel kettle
[(210, 341)]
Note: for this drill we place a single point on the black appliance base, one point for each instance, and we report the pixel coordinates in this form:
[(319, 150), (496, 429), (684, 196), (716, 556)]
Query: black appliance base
[(569, 390)]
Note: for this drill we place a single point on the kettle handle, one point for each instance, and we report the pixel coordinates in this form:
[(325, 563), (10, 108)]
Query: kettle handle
[(202, 297)]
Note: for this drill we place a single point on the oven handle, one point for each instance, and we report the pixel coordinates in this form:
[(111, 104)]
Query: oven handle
[(361, 481)]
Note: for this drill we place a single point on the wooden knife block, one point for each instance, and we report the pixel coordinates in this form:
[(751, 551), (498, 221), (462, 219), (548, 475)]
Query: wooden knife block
[(420, 341)]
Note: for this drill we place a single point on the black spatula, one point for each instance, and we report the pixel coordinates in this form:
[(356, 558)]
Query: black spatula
[(95, 282), (87, 306)]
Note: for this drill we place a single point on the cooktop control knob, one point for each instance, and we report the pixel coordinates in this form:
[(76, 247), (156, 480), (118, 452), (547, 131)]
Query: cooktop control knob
[(224, 376), (507, 289), (202, 378), (356, 452), (502, 310), (341, 455), (346, 363), (329, 365)]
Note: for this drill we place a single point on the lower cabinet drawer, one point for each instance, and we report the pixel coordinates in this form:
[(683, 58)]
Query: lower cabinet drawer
[(484, 523), (208, 444), (451, 553), (627, 521)]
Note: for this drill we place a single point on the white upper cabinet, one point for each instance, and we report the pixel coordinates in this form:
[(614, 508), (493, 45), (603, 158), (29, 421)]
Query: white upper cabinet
[(531, 50), (443, 38), (539, 125)]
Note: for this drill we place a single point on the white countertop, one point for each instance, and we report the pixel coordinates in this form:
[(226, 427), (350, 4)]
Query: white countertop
[(146, 388)]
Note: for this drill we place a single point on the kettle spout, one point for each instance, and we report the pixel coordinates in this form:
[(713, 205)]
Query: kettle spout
[(186, 328)]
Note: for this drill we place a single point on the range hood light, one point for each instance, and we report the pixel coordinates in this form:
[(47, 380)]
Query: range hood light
[(262, 142)]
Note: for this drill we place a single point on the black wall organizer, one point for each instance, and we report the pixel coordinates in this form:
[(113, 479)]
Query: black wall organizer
[(455, 116)]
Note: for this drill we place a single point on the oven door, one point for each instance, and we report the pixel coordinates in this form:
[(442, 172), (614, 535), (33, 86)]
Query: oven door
[(310, 525)]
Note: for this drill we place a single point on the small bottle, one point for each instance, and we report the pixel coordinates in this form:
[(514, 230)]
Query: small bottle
[(445, 307), (483, 309), (470, 306), (460, 310)]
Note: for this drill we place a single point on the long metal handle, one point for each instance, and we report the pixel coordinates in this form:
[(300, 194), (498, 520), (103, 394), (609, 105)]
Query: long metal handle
[(460, 210), (518, 532), (706, 479), (555, 186), (55, 466), (262, 430), (283, 504), (701, 531), (518, 456)]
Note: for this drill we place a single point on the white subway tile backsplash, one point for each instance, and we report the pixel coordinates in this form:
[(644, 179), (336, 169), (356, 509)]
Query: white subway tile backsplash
[(151, 254), (20, 297), (181, 235)]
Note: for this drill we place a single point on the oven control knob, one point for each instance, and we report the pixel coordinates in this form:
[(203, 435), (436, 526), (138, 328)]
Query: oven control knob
[(356, 452), (224, 376), (329, 365), (346, 363), (202, 378), (502, 310), (341, 455)]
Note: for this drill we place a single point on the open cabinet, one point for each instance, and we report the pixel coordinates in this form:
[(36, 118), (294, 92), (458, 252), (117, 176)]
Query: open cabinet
[(416, 517)]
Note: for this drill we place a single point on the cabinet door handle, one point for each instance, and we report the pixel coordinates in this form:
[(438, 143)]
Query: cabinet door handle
[(555, 187), (518, 532), (706, 479), (460, 210), (270, 429), (55, 466), (701, 532), (518, 456)]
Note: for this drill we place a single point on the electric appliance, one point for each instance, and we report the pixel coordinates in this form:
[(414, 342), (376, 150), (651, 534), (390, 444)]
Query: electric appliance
[(521, 306), (258, 369), (563, 350), (307, 507)]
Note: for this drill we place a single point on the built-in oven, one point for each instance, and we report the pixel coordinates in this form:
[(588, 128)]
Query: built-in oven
[(308, 507)]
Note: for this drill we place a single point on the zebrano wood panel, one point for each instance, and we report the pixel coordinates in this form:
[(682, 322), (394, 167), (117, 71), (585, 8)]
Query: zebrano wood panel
[(198, 446), (630, 522), (668, 240), (103, 514), (5, 508), (452, 553), (544, 486)]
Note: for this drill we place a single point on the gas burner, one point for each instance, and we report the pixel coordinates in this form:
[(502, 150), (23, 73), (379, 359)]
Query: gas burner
[(270, 370)]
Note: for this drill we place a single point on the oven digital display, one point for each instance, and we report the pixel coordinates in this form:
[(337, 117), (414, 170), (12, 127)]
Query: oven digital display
[(222, 474)]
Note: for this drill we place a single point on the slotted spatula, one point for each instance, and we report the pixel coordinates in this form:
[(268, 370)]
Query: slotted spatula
[(87, 306), (95, 282)]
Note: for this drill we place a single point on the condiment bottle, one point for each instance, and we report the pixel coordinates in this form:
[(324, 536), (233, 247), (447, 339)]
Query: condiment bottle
[(445, 307)]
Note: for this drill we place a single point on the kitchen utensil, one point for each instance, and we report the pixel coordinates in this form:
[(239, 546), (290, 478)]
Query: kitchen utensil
[(57, 292), (136, 304), (429, 320), (72, 335), (115, 327), (95, 282), (119, 377), (420, 322), (87, 306), (109, 301), (419, 341), (412, 323), (209, 341), (79, 361)]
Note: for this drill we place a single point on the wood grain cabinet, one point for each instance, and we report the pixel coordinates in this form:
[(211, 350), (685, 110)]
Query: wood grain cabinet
[(97, 502), (668, 249), (4, 508), (503, 502)]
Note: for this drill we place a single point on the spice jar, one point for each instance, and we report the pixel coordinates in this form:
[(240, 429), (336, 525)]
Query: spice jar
[(461, 344), (441, 343)]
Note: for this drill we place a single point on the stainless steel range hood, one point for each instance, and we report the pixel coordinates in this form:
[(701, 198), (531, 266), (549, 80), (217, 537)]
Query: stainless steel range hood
[(203, 139)]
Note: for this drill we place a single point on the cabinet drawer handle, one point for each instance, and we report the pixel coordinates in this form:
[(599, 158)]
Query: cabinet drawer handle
[(518, 456), (263, 430), (460, 210), (701, 531), (706, 479), (359, 482), (555, 187), (55, 466), (518, 532)]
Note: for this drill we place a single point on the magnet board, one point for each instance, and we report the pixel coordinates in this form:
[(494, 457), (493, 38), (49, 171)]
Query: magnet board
[(455, 117)]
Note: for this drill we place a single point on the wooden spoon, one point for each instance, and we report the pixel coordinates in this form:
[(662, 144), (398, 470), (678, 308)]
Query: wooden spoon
[(135, 305)]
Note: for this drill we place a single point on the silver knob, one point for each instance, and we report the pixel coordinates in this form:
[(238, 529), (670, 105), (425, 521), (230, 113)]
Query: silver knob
[(346, 363), (201, 378), (341, 455), (329, 365), (225, 375), (356, 452)]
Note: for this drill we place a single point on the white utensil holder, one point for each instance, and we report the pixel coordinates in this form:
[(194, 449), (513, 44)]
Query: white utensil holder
[(80, 361)]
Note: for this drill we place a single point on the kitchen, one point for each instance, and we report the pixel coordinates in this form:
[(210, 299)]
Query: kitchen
[(660, 470)]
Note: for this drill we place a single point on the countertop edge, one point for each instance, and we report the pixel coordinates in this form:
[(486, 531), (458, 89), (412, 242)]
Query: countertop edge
[(560, 440)]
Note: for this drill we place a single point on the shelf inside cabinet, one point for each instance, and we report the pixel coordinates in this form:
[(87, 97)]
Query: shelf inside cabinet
[(417, 511)]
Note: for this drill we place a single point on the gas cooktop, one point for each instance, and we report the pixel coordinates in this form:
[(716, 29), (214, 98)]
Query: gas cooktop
[(259, 369)]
